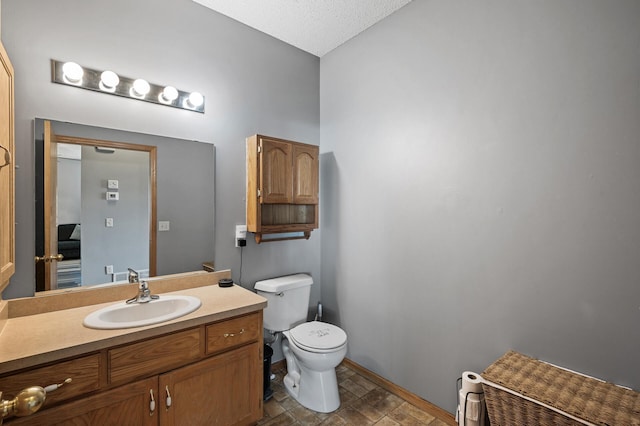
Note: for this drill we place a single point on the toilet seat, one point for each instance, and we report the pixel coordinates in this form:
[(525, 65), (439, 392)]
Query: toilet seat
[(319, 337)]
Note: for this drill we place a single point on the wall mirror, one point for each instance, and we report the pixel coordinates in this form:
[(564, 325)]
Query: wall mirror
[(108, 200)]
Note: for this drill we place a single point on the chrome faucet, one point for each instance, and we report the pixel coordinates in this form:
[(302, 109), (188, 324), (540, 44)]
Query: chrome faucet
[(144, 294), (133, 276)]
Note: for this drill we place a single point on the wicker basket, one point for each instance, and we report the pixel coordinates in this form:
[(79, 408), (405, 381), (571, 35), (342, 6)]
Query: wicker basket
[(520, 390)]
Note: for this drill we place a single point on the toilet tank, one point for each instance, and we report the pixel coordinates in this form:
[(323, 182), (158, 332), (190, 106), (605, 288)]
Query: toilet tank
[(287, 300)]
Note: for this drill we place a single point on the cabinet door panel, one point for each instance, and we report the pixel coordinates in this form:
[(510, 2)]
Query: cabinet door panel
[(223, 390), (305, 174), (276, 172), (7, 171), (126, 405)]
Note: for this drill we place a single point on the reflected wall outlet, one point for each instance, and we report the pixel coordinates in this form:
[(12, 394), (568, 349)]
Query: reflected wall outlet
[(112, 184), (108, 269), (113, 196), (164, 225), (108, 222)]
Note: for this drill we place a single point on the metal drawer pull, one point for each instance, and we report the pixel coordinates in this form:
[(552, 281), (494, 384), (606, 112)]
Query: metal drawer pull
[(233, 334), (168, 400), (152, 403), (53, 387)]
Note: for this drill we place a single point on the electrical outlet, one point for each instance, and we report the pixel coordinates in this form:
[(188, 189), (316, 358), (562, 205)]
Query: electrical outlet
[(108, 222), (108, 269), (241, 235), (164, 225)]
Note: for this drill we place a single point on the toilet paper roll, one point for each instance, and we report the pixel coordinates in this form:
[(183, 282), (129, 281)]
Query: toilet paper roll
[(471, 393), (471, 382), (475, 413)]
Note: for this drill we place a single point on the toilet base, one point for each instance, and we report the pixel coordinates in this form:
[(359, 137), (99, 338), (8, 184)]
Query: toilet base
[(317, 391)]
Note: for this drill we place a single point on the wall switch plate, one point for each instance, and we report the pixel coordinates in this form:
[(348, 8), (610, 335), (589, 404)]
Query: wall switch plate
[(164, 225), (108, 222), (112, 184), (113, 196), (108, 269)]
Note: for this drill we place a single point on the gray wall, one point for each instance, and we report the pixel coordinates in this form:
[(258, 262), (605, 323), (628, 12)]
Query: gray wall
[(126, 244), (481, 171), (68, 191), (252, 84)]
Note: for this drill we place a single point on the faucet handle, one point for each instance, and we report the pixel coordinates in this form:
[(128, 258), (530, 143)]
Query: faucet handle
[(134, 276)]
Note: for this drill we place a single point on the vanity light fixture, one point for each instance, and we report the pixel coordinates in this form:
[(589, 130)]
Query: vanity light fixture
[(168, 95), (140, 88), (109, 80), (194, 100), (72, 74)]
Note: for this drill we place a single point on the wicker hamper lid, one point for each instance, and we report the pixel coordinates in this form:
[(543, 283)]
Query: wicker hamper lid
[(584, 397)]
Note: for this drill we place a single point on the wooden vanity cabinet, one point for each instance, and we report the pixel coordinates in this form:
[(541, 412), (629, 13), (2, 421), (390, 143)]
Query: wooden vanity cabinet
[(222, 390), (125, 405), (7, 171), (282, 186), (195, 378)]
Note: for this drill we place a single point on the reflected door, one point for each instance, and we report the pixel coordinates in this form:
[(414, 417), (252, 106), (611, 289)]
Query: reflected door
[(50, 256)]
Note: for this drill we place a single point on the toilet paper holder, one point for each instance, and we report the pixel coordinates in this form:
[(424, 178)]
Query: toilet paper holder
[(479, 417)]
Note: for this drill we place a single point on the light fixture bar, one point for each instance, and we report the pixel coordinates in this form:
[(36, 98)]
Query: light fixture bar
[(91, 79)]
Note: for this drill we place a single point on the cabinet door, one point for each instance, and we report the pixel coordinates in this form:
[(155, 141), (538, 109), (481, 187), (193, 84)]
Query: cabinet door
[(222, 390), (275, 176), (7, 171), (305, 174), (126, 405)]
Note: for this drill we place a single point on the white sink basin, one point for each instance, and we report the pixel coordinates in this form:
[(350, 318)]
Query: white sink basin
[(122, 315)]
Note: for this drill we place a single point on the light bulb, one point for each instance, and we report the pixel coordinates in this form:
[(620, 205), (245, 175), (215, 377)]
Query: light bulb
[(72, 72), (140, 88), (168, 95), (195, 99), (108, 81)]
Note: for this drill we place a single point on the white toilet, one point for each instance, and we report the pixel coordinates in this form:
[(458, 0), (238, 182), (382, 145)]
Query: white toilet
[(312, 349)]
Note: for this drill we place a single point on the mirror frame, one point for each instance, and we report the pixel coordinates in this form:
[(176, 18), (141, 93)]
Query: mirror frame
[(152, 151)]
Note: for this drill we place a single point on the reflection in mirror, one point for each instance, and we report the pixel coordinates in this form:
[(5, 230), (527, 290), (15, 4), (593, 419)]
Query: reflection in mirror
[(98, 189)]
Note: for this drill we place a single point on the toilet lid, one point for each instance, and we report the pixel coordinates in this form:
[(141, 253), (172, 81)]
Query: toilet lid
[(318, 335)]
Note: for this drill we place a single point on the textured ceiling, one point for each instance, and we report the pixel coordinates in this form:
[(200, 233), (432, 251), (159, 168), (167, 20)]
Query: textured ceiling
[(316, 26)]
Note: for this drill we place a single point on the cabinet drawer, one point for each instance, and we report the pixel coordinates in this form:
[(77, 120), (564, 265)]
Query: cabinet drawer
[(153, 356), (233, 332), (84, 372)]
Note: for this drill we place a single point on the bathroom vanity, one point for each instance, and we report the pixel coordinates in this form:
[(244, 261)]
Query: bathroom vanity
[(203, 368)]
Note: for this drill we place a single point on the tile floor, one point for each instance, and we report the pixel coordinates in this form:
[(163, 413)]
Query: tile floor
[(362, 403)]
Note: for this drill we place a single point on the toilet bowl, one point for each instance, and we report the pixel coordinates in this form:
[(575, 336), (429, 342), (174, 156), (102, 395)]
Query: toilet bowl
[(312, 349), (311, 375)]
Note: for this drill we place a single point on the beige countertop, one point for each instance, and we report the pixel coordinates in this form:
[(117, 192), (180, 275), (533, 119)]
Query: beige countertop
[(29, 340)]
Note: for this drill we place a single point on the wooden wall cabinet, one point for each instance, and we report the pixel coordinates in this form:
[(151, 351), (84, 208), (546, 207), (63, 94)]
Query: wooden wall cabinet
[(206, 375), (7, 171), (282, 187)]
